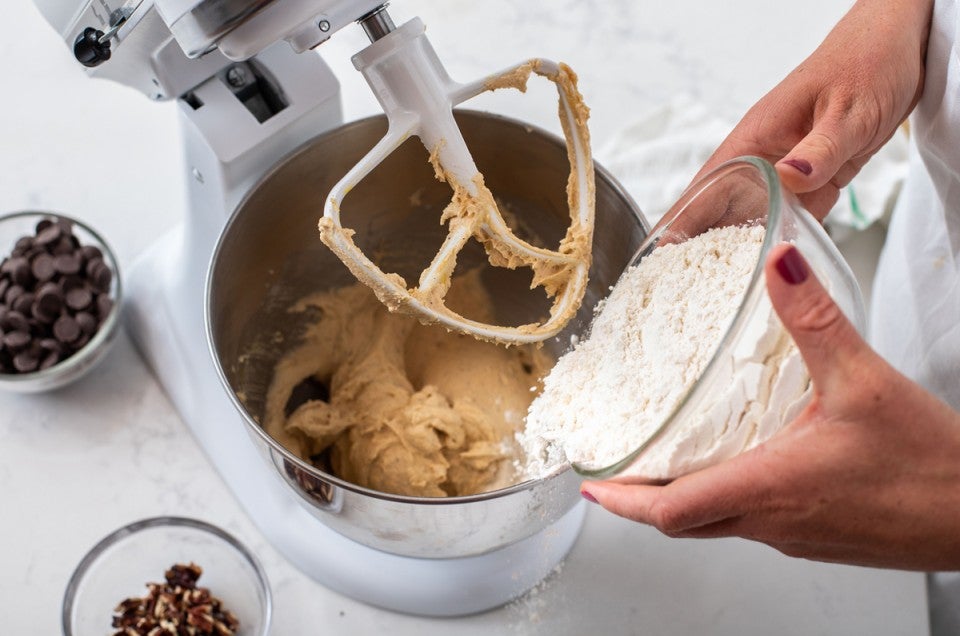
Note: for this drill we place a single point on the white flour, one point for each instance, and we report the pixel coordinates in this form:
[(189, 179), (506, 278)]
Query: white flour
[(651, 340)]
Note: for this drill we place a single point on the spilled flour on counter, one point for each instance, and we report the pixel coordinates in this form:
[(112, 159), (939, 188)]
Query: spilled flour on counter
[(651, 340), (528, 611)]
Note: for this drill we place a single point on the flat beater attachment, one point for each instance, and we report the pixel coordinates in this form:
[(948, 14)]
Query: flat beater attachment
[(418, 97)]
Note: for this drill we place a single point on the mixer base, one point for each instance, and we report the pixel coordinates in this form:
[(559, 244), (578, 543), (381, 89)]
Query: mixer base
[(164, 315)]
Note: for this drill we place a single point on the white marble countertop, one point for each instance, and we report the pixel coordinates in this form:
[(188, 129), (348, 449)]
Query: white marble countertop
[(78, 463)]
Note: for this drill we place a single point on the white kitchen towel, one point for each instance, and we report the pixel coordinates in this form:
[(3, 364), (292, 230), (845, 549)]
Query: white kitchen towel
[(656, 156)]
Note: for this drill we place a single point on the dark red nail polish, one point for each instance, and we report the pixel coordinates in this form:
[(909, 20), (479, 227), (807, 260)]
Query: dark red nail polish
[(791, 266), (801, 165), (586, 495)]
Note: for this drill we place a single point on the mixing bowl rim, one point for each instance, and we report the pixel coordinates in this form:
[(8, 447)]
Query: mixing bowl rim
[(775, 199), (130, 529), (105, 332), (601, 173)]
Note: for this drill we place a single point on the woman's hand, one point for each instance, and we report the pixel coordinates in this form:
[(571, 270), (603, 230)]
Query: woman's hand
[(823, 122), (868, 474)]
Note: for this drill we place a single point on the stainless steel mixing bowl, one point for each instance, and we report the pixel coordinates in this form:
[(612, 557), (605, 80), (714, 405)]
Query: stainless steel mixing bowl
[(270, 256)]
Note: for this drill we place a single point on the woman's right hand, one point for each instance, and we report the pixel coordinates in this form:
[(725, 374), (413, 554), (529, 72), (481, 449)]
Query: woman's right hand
[(822, 123), (867, 474)]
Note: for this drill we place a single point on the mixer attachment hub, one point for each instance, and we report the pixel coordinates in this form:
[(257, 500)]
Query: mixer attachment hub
[(377, 23)]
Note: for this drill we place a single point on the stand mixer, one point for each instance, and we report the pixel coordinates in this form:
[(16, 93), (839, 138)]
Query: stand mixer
[(247, 97)]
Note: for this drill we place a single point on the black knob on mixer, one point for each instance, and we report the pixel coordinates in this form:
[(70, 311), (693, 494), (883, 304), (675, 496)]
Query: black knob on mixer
[(89, 50)]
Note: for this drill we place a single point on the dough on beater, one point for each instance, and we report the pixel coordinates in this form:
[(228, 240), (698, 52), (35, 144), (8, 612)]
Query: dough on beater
[(412, 410), (473, 212)]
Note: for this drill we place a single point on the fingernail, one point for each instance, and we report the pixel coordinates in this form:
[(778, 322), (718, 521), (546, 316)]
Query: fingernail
[(586, 495), (801, 165), (791, 266)]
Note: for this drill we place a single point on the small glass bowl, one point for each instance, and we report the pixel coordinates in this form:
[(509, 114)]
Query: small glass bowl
[(18, 224), (742, 191), (123, 562)]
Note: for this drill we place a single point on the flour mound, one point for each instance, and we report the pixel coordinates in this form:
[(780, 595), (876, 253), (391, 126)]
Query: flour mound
[(649, 343)]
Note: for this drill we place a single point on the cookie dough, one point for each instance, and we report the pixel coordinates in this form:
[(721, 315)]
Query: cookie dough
[(412, 409)]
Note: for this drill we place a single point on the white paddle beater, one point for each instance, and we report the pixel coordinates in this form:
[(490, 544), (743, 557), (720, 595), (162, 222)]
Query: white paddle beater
[(418, 97)]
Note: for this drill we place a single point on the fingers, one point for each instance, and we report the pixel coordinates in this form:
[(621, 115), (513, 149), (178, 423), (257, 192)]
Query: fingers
[(820, 202), (827, 341), (703, 503), (730, 527), (820, 157), (631, 501)]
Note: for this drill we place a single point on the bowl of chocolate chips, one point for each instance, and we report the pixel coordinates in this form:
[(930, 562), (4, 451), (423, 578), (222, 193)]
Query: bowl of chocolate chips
[(59, 300)]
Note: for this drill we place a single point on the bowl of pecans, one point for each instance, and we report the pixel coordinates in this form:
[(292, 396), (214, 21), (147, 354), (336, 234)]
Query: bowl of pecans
[(59, 300), (168, 575)]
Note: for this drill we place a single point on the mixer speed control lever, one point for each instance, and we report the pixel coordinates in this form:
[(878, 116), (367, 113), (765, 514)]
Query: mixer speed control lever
[(91, 48)]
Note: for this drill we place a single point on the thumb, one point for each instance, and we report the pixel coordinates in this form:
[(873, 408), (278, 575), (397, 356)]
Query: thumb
[(819, 156), (828, 342)]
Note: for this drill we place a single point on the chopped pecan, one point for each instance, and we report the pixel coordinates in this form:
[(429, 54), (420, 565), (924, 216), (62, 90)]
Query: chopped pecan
[(176, 608)]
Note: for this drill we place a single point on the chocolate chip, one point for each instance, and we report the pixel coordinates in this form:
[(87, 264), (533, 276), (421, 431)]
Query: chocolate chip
[(43, 267), (12, 294), (48, 235), (92, 265), (67, 263), (48, 303), (23, 303), (51, 344), (81, 341), (78, 298), (88, 324), (49, 360), (66, 329), (102, 277), (66, 245), (71, 282), (50, 288), (16, 341), (21, 273), (23, 245), (104, 306), (42, 224), (15, 321), (4, 285), (26, 361), (91, 252), (41, 315)]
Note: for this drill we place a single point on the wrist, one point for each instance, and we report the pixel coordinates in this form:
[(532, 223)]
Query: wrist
[(897, 18)]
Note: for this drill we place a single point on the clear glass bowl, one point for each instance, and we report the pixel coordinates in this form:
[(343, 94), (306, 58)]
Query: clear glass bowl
[(18, 224), (122, 563), (743, 191)]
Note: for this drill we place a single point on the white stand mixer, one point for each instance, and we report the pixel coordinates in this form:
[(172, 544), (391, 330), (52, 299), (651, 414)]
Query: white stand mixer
[(246, 100)]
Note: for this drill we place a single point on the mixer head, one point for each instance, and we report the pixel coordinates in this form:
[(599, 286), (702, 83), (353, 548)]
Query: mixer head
[(418, 96)]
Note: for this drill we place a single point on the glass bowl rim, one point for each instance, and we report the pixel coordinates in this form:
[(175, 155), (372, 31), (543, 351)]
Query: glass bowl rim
[(103, 335), (774, 221), (130, 529)]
